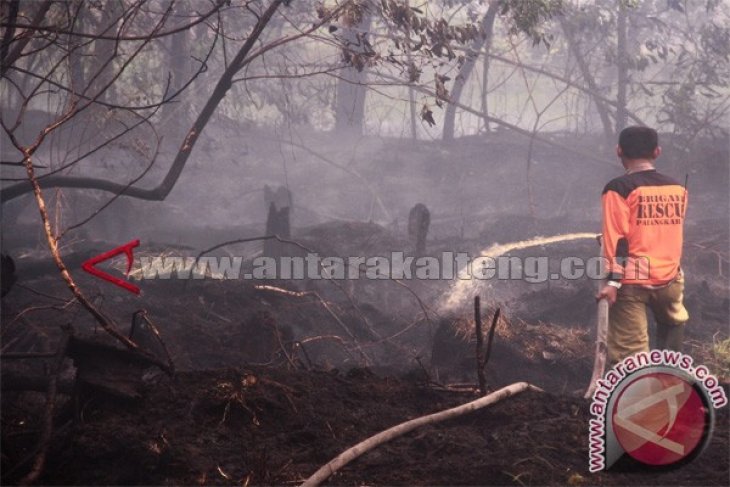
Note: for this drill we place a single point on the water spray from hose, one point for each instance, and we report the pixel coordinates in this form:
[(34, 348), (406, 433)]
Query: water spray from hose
[(463, 289)]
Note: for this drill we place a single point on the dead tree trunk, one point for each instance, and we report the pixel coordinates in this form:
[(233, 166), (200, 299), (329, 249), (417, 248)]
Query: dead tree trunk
[(623, 67), (590, 81), (351, 89), (467, 68), (105, 52), (179, 47), (411, 92), (10, 56), (76, 53)]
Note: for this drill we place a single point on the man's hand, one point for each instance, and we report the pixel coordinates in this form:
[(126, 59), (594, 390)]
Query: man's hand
[(609, 293)]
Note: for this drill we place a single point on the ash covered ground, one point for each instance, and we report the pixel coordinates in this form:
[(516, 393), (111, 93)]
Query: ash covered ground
[(271, 383)]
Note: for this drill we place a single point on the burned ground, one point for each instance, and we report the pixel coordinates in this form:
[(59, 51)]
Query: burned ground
[(272, 382), (270, 426)]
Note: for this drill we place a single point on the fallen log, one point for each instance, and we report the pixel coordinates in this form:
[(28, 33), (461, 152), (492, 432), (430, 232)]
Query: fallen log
[(384, 436)]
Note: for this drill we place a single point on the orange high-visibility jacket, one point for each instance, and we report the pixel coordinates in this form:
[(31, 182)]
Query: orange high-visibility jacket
[(643, 218)]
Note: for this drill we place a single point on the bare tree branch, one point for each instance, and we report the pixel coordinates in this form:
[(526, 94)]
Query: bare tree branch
[(9, 59), (56, 30), (244, 56)]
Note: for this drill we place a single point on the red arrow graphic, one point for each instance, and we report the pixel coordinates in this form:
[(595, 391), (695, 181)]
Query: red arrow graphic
[(126, 249)]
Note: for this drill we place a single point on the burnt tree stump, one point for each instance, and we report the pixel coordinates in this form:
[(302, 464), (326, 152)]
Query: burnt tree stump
[(419, 219), (279, 204)]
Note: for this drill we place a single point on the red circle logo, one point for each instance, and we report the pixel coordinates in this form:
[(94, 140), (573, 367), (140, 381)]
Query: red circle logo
[(660, 419)]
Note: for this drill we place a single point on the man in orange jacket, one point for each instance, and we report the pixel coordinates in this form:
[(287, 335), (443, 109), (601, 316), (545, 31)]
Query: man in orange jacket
[(643, 219)]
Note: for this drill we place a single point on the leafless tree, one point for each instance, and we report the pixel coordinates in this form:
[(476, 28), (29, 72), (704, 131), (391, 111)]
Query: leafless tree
[(42, 50)]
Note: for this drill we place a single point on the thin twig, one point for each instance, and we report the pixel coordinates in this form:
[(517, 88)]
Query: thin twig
[(490, 338), (275, 327), (156, 333), (480, 346), (324, 304)]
